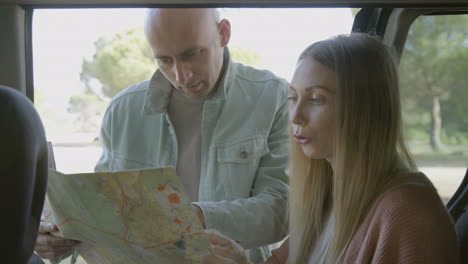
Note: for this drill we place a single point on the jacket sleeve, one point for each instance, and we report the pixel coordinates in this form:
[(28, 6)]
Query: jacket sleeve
[(105, 161), (260, 219)]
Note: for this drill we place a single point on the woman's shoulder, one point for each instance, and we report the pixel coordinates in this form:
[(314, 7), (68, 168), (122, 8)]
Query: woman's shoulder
[(407, 222), (411, 196), (408, 192)]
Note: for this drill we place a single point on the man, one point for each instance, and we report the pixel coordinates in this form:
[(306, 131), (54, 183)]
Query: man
[(222, 125)]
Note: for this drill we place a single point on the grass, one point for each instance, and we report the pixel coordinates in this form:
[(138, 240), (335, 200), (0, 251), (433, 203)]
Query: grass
[(448, 156)]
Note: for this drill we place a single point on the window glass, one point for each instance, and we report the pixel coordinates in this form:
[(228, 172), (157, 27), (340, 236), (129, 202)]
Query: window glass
[(434, 95), (83, 57)]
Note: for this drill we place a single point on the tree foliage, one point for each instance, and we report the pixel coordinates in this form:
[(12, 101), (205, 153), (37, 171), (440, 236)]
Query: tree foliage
[(119, 62), (244, 56), (89, 109), (433, 71), (126, 59)]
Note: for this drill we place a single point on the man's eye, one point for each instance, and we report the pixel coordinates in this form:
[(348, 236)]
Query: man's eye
[(292, 98), (164, 60), (191, 54)]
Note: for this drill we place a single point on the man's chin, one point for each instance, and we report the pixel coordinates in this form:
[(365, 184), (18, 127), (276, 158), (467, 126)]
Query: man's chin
[(195, 95)]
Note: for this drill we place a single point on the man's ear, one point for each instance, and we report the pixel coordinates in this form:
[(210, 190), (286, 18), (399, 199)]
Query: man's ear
[(224, 27)]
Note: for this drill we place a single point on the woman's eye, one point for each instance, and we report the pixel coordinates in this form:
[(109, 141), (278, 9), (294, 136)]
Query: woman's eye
[(292, 98), (317, 99)]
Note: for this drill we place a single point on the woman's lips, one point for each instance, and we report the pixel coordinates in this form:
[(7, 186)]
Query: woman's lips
[(302, 140)]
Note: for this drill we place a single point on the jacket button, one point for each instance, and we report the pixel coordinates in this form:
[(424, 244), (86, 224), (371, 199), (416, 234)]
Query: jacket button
[(244, 155)]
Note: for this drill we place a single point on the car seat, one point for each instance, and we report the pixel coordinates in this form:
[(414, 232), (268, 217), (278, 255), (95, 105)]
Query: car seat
[(23, 168)]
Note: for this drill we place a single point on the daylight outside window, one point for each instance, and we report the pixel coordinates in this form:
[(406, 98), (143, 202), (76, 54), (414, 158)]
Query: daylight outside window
[(434, 94), (83, 57)]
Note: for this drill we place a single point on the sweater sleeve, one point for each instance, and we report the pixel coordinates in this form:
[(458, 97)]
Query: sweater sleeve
[(409, 225)]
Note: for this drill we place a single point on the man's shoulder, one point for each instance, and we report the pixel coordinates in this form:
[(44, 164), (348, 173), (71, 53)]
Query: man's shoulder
[(260, 77), (134, 92)]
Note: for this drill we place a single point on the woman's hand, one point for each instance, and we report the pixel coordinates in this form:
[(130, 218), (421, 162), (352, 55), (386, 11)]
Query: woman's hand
[(225, 250)]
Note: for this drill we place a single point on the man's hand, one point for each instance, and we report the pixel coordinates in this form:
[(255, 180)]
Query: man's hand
[(49, 246), (225, 250), (200, 215)]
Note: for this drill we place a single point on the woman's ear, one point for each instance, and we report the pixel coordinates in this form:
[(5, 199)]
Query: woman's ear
[(224, 28)]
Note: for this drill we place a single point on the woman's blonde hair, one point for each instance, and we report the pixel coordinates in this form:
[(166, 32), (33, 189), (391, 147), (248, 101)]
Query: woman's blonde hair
[(327, 205)]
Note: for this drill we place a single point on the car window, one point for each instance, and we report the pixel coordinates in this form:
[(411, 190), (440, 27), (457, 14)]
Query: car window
[(434, 87), (84, 57)]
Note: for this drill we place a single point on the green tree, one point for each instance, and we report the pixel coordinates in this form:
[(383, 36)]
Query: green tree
[(455, 117), (126, 59), (121, 61), (89, 109), (244, 56), (433, 68), (354, 11)]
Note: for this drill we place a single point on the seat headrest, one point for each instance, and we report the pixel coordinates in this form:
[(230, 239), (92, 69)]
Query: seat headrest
[(23, 171)]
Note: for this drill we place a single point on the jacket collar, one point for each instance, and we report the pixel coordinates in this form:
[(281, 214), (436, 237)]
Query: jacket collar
[(159, 88)]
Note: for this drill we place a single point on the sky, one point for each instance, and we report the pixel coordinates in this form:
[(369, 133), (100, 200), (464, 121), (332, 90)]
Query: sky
[(63, 37)]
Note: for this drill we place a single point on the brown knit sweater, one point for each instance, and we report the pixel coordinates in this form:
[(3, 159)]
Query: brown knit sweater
[(407, 224)]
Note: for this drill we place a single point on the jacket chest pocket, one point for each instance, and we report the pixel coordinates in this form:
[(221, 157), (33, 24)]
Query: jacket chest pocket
[(238, 164)]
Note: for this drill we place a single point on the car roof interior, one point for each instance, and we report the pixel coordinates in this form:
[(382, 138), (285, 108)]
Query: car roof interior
[(246, 3)]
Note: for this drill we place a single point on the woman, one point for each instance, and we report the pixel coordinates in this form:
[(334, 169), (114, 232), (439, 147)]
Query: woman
[(354, 194)]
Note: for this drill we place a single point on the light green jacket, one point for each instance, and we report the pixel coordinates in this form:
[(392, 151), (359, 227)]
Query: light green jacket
[(243, 182)]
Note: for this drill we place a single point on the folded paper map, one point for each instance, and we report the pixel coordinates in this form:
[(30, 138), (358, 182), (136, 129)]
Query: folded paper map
[(127, 217)]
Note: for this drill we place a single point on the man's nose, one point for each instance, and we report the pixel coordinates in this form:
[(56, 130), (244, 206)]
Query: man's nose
[(182, 73)]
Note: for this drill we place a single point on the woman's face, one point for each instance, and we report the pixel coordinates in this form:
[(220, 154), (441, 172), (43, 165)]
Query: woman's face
[(312, 108)]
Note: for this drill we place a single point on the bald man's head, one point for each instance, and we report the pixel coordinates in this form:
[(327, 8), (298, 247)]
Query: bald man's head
[(158, 15), (188, 46)]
